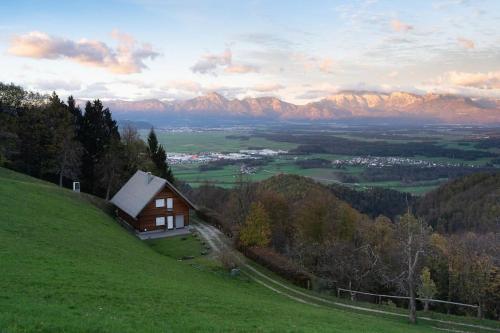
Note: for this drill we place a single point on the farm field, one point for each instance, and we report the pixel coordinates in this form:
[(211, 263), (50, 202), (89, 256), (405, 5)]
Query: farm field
[(233, 140), (69, 267)]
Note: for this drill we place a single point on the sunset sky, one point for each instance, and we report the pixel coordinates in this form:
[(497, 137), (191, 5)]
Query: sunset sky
[(297, 50)]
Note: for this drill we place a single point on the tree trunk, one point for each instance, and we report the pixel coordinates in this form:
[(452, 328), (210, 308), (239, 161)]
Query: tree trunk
[(60, 178), (426, 306), (412, 316), (108, 189)]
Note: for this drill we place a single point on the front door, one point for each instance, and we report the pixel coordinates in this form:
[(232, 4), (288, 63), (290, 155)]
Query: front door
[(170, 222), (179, 221)]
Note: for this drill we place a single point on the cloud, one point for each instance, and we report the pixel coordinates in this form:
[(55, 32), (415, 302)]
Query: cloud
[(127, 58), (54, 85), (267, 87), (210, 63), (266, 40), (393, 74), (489, 80), (241, 69), (310, 63), (185, 85), (466, 43), (400, 26), (326, 65), (99, 89)]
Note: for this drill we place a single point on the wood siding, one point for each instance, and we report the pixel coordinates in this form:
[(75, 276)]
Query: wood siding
[(127, 218), (147, 217)]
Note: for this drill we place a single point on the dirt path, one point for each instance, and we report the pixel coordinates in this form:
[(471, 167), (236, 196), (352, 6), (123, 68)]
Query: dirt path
[(220, 243)]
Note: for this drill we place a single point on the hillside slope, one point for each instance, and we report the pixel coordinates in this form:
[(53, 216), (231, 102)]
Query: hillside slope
[(67, 266), (469, 203)]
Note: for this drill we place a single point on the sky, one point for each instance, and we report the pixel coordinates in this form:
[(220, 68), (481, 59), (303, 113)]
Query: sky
[(299, 51)]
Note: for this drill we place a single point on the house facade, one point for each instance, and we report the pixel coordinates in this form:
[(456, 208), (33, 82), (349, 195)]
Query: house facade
[(150, 203)]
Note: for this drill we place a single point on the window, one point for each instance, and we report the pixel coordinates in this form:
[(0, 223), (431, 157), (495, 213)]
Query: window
[(160, 220), (160, 202), (170, 203)]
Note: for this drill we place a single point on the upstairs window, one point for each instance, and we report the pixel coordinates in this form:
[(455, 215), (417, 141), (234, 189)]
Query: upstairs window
[(170, 203), (160, 203)]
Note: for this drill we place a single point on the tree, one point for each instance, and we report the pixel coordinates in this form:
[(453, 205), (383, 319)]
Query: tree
[(279, 214), (96, 133), (68, 158), (158, 155), (111, 166), (134, 150), (316, 216), (472, 257), (427, 288), (68, 150), (413, 238), (256, 230)]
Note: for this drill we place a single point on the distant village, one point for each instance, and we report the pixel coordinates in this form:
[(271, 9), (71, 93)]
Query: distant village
[(205, 157), (377, 161)]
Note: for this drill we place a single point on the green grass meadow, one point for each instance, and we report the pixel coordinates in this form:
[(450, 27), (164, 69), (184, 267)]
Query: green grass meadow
[(66, 266), (218, 141)]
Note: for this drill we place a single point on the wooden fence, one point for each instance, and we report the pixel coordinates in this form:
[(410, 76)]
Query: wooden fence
[(430, 300)]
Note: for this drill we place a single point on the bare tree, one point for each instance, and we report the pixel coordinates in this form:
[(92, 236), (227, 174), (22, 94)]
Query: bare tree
[(413, 237)]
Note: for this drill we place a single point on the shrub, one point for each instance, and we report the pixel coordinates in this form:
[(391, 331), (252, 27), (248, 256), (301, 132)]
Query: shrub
[(279, 264)]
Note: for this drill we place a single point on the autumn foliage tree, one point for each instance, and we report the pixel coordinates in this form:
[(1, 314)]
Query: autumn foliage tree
[(427, 288), (256, 231)]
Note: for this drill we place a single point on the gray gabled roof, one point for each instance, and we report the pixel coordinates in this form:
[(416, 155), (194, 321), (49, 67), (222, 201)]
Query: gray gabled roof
[(137, 192)]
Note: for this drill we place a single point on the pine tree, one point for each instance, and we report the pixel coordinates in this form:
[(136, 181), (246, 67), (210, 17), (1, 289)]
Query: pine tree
[(158, 156), (96, 133), (256, 230)]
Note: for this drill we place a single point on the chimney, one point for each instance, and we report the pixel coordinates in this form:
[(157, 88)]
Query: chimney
[(149, 177)]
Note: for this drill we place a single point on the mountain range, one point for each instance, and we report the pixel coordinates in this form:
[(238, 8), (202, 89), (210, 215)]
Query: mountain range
[(345, 105)]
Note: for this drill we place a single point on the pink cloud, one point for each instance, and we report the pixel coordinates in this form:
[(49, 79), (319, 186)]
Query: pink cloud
[(127, 58), (479, 80), (400, 26), (466, 43), (326, 65), (209, 63)]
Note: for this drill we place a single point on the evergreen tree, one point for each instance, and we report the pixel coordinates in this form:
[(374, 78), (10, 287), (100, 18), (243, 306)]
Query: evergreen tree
[(68, 149), (96, 133), (111, 167), (158, 156)]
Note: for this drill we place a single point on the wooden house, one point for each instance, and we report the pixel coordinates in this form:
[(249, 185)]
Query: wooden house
[(150, 203)]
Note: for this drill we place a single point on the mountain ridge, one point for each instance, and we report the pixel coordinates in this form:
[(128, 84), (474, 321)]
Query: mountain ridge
[(445, 108)]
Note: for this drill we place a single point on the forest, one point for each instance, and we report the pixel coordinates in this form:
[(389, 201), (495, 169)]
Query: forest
[(363, 240), (47, 138)]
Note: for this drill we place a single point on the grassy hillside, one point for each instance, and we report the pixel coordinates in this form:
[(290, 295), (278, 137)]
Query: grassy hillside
[(66, 266)]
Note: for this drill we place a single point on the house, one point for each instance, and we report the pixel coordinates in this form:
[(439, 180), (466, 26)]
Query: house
[(150, 203)]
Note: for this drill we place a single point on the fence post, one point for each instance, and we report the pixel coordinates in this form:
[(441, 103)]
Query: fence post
[(479, 312), (338, 292)]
